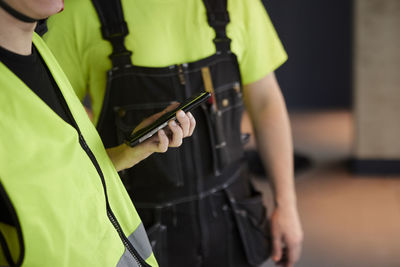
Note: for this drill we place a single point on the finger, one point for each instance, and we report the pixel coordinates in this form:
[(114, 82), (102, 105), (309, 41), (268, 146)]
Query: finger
[(184, 122), (163, 141), (290, 259), (168, 132), (276, 244), (177, 134), (294, 250), (284, 261), (192, 123)]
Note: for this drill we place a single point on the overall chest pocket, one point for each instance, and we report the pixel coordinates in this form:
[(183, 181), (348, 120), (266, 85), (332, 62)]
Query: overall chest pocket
[(224, 121), (230, 105)]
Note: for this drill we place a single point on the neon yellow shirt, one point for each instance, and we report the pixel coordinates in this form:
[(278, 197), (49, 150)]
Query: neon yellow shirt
[(162, 33)]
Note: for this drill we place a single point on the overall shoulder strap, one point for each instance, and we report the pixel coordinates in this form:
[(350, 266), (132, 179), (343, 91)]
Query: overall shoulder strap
[(218, 18), (114, 29)]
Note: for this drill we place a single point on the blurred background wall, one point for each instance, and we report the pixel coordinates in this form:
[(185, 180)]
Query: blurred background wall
[(377, 86), (342, 87), (318, 38), (345, 55)]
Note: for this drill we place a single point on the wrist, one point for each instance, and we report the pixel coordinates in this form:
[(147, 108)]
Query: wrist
[(124, 157), (285, 202)]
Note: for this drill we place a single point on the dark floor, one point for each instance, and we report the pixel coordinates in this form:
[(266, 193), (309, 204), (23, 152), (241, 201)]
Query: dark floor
[(348, 220)]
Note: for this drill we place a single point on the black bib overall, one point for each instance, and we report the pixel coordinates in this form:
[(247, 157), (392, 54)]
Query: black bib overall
[(196, 201)]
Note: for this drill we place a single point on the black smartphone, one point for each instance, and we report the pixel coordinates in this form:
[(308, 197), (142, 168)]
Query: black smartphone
[(148, 131)]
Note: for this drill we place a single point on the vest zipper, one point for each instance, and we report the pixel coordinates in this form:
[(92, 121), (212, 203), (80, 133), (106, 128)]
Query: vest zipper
[(110, 214), (139, 260)]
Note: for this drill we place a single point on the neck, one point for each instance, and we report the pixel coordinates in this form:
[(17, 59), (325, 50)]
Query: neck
[(15, 35)]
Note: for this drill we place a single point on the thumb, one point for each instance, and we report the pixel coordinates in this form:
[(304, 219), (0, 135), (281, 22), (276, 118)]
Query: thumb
[(147, 121)]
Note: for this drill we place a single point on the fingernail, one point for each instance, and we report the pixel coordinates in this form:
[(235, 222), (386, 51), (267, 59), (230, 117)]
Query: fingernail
[(181, 114), (189, 115), (173, 123)]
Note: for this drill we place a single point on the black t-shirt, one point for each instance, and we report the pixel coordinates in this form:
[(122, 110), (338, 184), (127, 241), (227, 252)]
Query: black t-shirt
[(34, 73)]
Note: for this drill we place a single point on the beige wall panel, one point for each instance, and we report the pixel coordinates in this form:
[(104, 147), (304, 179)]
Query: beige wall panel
[(377, 79)]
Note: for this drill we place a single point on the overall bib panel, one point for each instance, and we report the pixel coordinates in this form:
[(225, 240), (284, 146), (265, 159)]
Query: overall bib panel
[(196, 201)]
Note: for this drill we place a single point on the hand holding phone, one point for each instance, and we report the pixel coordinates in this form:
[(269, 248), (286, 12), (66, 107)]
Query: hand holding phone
[(148, 131)]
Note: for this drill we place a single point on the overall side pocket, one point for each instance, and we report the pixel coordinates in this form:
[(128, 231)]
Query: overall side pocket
[(253, 226)]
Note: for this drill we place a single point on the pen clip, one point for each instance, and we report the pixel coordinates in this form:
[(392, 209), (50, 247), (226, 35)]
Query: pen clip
[(208, 86)]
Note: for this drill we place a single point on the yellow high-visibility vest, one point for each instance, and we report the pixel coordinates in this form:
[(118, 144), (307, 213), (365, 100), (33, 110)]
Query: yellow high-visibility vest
[(54, 186)]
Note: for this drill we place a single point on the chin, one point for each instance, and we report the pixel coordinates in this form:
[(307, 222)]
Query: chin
[(46, 8)]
